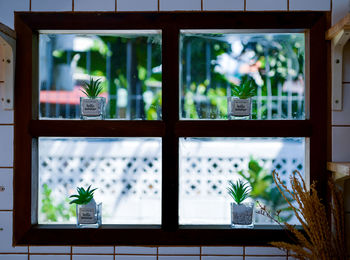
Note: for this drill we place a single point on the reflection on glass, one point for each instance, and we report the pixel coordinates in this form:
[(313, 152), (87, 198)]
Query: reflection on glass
[(125, 171), (212, 63), (208, 164), (128, 63)]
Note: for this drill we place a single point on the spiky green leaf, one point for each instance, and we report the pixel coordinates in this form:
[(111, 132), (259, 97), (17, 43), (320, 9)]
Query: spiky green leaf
[(239, 191), (83, 196), (92, 89)]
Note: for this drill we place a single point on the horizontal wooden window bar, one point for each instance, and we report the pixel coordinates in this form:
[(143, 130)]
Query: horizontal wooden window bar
[(95, 128), (244, 128), (188, 128)]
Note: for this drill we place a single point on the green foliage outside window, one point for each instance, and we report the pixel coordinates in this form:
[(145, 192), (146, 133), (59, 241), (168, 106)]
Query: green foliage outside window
[(265, 190), (53, 211)]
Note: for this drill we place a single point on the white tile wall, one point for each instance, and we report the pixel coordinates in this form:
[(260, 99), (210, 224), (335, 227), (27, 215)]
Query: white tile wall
[(93, 250), (339, 9), (263, 251), (6, 144), (265, 258), (50, 249), (136, 250), (13, 257), (340, 144), (222, 257), (93, 5), (316, 5), (52, 5), (136, 257), (223, 5), (343, 117), (6, 196), (179, 250), (49, 257), (222, 250), (180, 257), (6, 116), (93, 257), (6, 13), (171, 5), (260, 5), (6, 235), (137, 5)]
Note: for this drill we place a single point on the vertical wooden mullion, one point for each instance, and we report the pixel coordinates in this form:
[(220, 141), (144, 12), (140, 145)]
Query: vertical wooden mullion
[(170, 115), (22, 141), (319, 107)]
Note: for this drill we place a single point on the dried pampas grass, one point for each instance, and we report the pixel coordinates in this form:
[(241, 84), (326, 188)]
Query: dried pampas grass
[(320, 240)]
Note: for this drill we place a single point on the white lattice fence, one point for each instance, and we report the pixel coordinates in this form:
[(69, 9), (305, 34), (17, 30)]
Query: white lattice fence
[(127, 173)]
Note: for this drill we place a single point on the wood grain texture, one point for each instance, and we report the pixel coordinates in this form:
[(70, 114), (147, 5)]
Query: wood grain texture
[(343, 24)]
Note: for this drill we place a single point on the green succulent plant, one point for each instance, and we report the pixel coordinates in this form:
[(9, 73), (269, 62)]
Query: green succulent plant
[(246, 89), (92, 89), (239, 191), (83, 196)]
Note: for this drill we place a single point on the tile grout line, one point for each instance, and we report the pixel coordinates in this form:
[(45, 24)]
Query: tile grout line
[(158, 5), (245, 5), (202, 5), (30, 5), (72, 5), (71, 252), (115, 7), (157, 246), (288, 5)]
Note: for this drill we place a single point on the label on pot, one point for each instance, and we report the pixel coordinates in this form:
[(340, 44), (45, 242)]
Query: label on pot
[(240, 107), (91, 107), (87, 215)]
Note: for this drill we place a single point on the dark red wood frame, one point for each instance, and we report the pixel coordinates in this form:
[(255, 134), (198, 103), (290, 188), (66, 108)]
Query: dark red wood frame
[(28, 128)]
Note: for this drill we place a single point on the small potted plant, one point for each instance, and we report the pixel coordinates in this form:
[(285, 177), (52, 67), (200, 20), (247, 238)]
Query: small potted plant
[(239, 105), (241, 210), (88, 212), (92, 106)]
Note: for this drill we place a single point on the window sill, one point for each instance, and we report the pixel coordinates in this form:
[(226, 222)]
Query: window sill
[(153, 234)]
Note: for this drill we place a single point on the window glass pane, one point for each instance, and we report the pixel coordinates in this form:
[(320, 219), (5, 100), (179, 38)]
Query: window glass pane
[(125, 171), (208, 164), (128, 64), (271, 65)]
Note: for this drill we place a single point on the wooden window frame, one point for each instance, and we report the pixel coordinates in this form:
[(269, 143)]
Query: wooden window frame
[(28, 127)]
